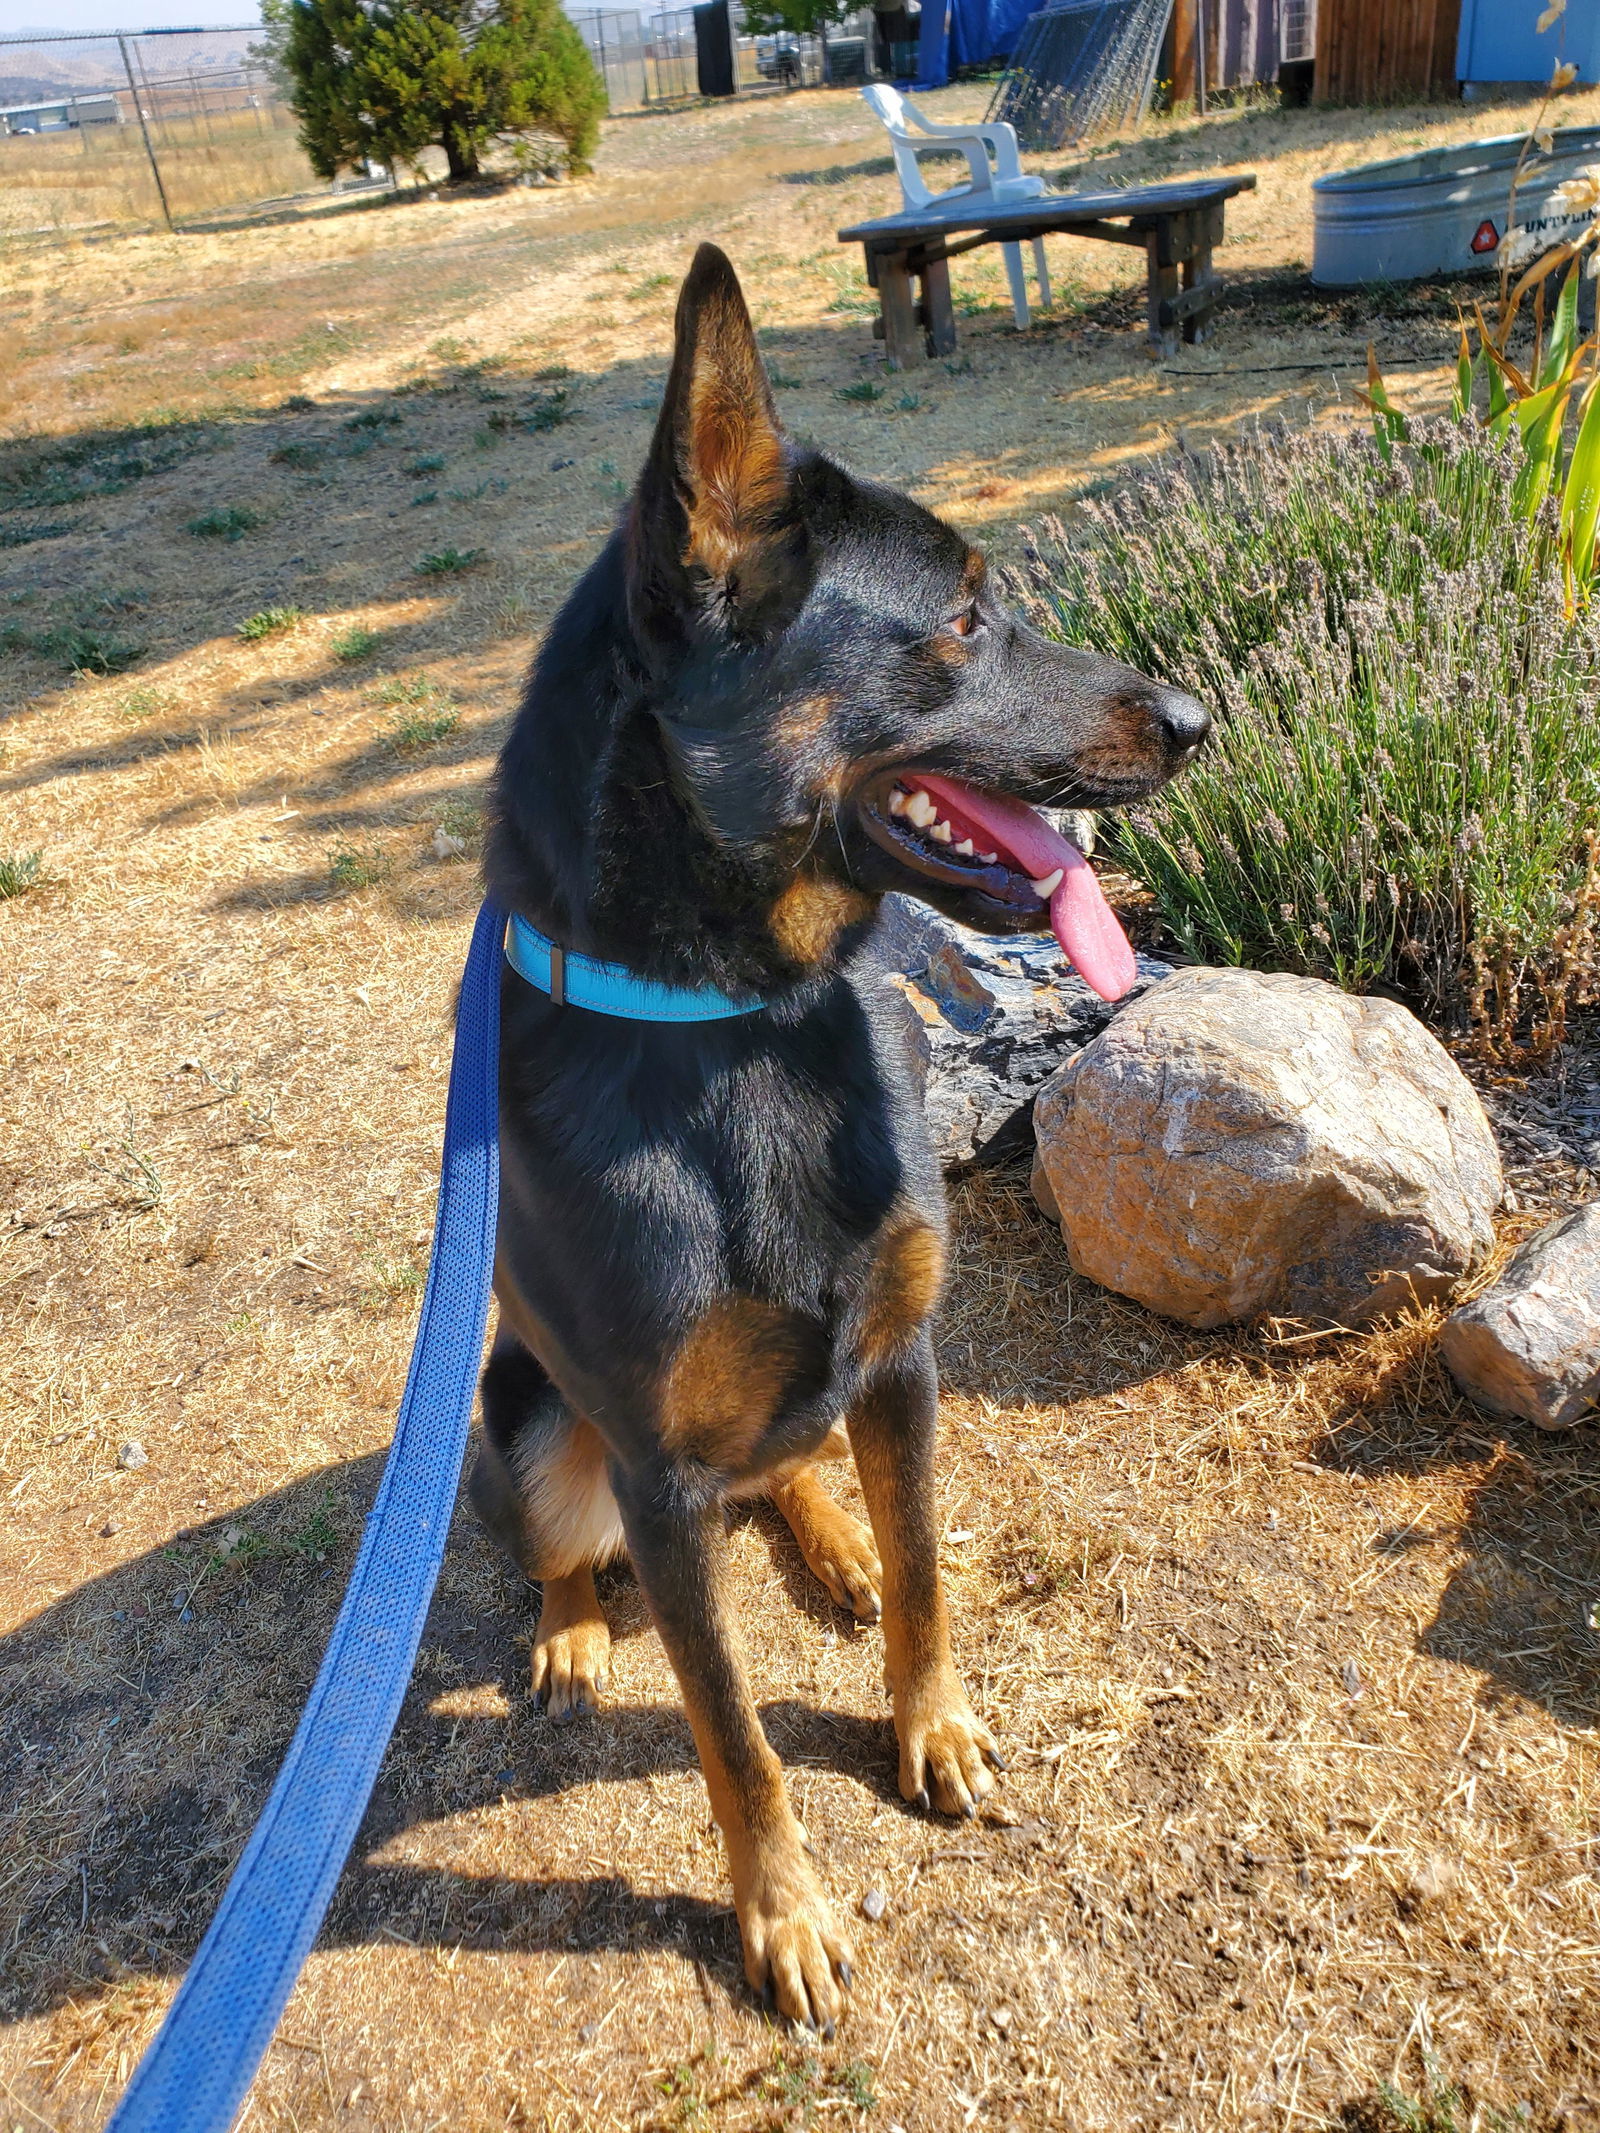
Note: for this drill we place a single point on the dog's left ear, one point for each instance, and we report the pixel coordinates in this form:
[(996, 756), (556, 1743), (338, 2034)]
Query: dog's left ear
[(710, 512)]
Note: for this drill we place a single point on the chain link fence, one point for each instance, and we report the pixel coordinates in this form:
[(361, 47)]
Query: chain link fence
[(650, 58), (103, 132), (99, 132)]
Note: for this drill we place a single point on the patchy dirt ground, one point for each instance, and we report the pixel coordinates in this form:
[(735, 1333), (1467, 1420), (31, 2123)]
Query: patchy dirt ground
[(1295, 1656)]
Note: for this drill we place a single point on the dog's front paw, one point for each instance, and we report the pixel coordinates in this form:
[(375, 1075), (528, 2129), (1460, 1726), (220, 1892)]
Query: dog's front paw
[(794, 1953), (570, 1664), (844, 1558), (946, 1754)]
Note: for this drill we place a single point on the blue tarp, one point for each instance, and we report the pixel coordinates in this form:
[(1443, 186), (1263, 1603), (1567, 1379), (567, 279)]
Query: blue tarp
[(966, 33)]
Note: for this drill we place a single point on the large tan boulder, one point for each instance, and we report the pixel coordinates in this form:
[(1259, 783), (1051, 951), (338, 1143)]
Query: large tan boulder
[(1530, 1344), (1237, 1143)]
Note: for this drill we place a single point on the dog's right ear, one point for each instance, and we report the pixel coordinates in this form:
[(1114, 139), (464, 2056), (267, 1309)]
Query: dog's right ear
[(709, 517)]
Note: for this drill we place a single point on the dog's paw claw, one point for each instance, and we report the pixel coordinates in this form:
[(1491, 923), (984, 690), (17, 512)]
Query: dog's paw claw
[(796, 1957), (946, 1754), (570, 1665)]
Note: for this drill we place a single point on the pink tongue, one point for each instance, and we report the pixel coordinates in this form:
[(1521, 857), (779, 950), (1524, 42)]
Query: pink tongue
[(1081, 919)]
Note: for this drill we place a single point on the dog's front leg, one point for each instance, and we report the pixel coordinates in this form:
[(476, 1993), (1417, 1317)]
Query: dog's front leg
[(945, 1753), (794, 1953)]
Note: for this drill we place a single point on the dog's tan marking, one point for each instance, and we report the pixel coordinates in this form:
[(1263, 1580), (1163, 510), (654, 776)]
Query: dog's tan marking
[(811, 914), (801, 733), (737, 476), (727, 1380), (571, 1648), (802, 725), (792, 1943), (840, 1551), (902, 1290), (571, 1520), (945, 1750), (951, 648)]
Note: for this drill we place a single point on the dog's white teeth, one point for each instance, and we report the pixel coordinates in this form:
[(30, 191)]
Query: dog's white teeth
[(940, 833), (964, 849), (1047, 884), (989, 858), (920, 809), (899, 801)]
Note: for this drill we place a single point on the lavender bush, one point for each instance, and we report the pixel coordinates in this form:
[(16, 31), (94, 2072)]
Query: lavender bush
[(1404, 791)]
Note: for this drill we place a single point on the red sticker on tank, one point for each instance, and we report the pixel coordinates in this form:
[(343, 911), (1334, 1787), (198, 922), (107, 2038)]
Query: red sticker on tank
[(1485, 237)]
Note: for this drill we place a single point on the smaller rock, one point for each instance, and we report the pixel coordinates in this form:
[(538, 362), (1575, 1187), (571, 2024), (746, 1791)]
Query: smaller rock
[(1530, 1344), (447, 847), (874, 1904), (111, 1526), (133, 1455)]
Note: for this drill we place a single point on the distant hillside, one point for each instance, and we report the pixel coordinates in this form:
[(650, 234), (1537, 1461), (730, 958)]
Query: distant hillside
[(33, 73)]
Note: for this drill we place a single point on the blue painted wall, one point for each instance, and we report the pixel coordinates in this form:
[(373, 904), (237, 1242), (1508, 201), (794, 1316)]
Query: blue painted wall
[(1498, 41)]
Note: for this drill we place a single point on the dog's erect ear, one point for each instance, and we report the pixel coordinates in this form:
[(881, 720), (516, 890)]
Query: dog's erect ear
[(710, 505)]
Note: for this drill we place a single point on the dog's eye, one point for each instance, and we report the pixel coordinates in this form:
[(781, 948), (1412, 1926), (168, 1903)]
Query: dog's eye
[(964, 625)]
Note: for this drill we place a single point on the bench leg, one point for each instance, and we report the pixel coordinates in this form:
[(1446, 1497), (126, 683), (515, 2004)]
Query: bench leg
[(938, 313), (902, 336), (1162, 255), (1198, 272)]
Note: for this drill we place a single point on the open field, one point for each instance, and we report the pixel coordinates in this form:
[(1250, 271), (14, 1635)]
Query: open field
[(99, 176), (1295, 1656)]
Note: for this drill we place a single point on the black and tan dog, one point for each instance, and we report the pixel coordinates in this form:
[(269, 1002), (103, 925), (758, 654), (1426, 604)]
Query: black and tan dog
[(777, 693)]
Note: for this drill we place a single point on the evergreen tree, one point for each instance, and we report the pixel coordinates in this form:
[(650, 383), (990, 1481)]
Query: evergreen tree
[(797, 18), (384, 79)]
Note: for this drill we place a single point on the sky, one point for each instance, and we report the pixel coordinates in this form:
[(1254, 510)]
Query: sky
[(43, 18)]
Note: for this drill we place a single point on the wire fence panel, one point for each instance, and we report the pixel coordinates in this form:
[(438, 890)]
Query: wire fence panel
[(103, 132), (1081, 67)]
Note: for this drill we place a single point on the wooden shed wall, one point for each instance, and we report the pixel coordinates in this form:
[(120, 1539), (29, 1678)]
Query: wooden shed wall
[(1372, 49)]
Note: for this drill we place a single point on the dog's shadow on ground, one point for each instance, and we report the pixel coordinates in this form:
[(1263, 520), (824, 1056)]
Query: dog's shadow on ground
[(147, 1710)]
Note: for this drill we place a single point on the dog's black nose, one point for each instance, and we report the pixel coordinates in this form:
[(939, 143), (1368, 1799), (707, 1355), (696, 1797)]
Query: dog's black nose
[(1184, 723)]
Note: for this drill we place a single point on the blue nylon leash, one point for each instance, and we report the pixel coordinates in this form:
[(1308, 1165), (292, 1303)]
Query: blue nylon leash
[(200, 2065)]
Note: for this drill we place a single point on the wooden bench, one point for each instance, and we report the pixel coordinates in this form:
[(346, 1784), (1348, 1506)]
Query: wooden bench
[(1177, 225)]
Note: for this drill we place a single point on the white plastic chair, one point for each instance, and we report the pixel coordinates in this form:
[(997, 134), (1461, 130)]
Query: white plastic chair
[(910, 134)]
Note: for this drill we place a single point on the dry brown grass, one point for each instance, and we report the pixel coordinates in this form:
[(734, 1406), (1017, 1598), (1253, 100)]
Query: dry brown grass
[(1292, 1652), (98, 177)]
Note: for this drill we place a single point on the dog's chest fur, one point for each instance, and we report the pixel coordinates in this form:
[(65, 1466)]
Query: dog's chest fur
[(709, 1232)]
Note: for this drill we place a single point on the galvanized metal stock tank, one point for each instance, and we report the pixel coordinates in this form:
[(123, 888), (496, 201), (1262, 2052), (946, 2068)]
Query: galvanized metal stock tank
[(1443, 211)]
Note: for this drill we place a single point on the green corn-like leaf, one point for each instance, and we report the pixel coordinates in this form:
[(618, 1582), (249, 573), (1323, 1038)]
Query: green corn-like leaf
[(1563, 328), (1539, 418), (1466, 372), (1580, 499), (1388, 424), (1498, 419)]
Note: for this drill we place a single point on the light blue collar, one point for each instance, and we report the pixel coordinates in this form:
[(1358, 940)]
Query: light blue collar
[(609, 989)]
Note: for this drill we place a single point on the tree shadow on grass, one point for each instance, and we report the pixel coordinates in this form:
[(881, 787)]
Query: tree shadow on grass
[(148, 1710), (336, 482)]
